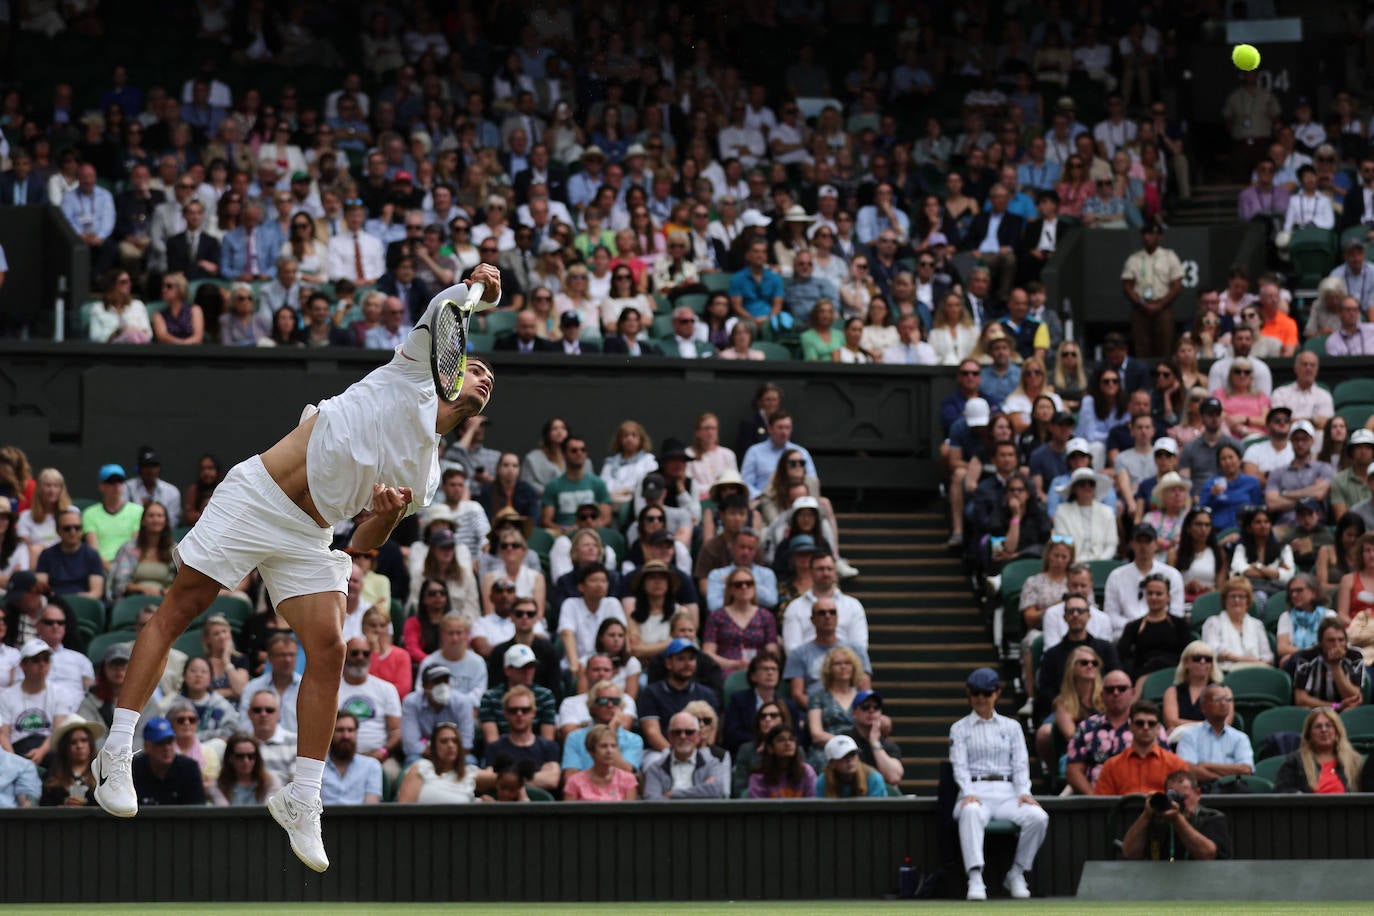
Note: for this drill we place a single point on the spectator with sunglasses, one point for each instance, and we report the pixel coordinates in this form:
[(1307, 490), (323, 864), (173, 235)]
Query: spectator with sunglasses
[(1077, 613), (375, 704), (1102, 735), (1145, 765), (687, 771), (520, 667), (604, 703)]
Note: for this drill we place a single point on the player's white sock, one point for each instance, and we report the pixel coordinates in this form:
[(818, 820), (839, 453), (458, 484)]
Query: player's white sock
[(121, 737), (305, 787)]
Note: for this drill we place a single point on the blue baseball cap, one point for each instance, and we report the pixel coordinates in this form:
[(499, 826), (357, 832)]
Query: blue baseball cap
[(112, 473), (680, 645), (984, 679), (157, 731), (864, 695)]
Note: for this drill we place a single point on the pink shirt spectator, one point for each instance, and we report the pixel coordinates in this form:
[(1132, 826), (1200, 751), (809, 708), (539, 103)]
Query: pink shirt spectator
[(580, 788)]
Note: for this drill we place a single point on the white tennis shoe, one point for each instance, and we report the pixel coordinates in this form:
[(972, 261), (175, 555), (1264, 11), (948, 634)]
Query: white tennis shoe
[(114, 778), (301, 821), (1015, 883)]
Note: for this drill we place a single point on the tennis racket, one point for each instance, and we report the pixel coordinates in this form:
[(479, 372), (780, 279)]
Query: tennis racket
[(448, 341)]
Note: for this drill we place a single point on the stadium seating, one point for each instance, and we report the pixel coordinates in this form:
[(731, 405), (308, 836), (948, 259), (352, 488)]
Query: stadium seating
[(1353, 391), (1156, 683), (1268, 768), (1258, 688), (125, 612), (1277, 719), (1359, 726), (89, 613), (95, 649)]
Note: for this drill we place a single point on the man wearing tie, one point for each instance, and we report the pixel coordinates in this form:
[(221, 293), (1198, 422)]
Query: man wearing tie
[(354, 255), (195, 252), (910, 350), (994, 236), (1359, 210), (19, 187), (524, 340), (248, 252), (976, 299), (992, 772)]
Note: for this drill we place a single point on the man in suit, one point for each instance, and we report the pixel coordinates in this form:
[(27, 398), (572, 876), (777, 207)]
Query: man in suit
[(1135, 374), (1359, 202), (994, 237), (1041, 238), (572, 344), (168, 220), (978, 298), (626, 338), (681, 342), (403, 284), (249, 253), (521, 261), (523, 338), (541, 171), (195, 252), (20, 187)]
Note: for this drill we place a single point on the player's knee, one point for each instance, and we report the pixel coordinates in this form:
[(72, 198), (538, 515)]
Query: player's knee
[(325, 651)]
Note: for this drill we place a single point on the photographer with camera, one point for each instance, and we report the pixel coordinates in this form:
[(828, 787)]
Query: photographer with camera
[(1174, 826)]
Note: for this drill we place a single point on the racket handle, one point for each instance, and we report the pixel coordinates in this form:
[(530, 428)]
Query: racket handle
[(475, 292)]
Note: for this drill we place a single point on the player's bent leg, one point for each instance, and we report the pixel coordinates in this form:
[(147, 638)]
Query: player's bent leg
[(317, 620), (190, 594)]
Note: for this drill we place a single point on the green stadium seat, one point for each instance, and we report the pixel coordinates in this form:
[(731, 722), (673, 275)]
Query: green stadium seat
[(541, 542), (694, 301), (398, 621), (89, 613), (233, 608), (1316, 344), (1312, 252), (613, 539), (189, 642), (499, 321), (95, 649), (1268, 768), (479, 342), (1274, 609), (1156, 682), (1356, 415), (663, 325), (1359, 728), (82, 503), (179, 533), (1278, 719), (737, 681), (537, 794), (1101, 569), (716, 282), (125, 613), (1206, 605), (1257, 689), (1353, 391), (773, 352), (1257, 785), (1037, 653)]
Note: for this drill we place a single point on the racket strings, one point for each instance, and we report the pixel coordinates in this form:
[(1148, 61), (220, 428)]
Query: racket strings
[(450, 350)]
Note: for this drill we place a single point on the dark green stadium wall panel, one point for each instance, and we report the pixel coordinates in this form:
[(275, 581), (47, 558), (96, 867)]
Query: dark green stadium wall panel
[(568, 852), (77, 406)]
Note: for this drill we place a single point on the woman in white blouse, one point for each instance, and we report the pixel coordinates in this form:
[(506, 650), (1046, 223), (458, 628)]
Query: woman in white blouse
[(1238, 637), (954, 334), (852, 351), (631, 458), (1090, 524), (879, 331)]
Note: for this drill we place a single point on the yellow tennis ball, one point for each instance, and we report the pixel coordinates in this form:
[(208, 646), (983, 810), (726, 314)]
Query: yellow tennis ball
[(1246, 57)]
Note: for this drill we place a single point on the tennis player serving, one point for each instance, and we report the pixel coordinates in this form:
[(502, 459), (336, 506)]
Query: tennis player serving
[(373, 449)]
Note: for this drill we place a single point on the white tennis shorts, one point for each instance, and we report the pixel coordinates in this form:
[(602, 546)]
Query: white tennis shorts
[(249, 522)]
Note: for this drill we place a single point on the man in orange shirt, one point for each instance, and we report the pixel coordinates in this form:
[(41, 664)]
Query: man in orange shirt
[(1145, 765), (1277, 325)]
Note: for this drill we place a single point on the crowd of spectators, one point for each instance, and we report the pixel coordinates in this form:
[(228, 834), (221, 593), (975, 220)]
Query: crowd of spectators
[(640, 191), (591, 633)]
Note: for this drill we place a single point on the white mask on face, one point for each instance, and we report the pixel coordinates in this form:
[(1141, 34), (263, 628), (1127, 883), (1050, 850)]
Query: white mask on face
[(440, 693)]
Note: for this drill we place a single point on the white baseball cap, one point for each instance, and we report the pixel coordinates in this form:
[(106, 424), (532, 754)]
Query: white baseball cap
[(1302, 426), (1077, 445), (1170, 445), (840, 747), (519, 655), (976, 412)]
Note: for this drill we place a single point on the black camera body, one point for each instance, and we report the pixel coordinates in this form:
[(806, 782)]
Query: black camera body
[(1160, 802)]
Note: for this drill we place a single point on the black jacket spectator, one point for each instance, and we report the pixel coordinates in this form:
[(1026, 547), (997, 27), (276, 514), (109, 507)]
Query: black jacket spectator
[(182, 786), (1009, 231), (37, 194), (556, 180), (1051, 675), (617, 344), (181, 258), (508, 343)]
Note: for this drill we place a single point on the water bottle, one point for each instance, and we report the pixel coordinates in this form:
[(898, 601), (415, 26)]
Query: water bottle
[(907, 879)]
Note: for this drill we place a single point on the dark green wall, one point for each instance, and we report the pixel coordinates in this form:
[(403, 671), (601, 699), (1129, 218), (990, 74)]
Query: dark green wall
[(78, 406), (735, 850)]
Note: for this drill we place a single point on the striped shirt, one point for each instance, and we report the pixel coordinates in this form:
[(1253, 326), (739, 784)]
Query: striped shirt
[(988, 747)]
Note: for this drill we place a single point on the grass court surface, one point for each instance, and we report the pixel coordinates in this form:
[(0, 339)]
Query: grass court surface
[(766, 908)]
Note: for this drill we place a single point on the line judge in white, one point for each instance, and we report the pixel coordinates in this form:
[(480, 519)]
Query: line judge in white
[(992, 770)]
